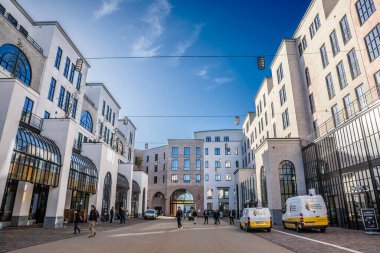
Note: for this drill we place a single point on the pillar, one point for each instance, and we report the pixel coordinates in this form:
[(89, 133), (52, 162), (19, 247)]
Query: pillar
[(22, 203)]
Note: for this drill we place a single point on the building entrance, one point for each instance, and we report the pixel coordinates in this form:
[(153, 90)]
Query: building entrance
[(181, 198), (39, 202)]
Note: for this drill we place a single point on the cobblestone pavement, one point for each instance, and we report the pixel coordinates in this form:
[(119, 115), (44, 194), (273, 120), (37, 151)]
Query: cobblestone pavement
[(18, 238), (347, 238)]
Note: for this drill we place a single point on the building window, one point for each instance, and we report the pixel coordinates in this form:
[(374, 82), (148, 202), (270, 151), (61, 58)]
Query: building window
[(237, 164), (163, 179), (307, 75), (324, 57), (274, 130), (311, 101), (147, 158), (288, 182), (217, 164), (228, 177), (217, 138), (72, 72), (186, 151), (208, 139), (67, 101), (174, 165), (377, 78), (174, 178), (348, 107), (46, 115), (58, 58), (210, 193), (206, 151), (330, 86), (218, 177), (79, 80), (61, 97), (74, 108), (227, 151), (155, 180), (365, 9), (315, 125), (341, 75), (155, 168), (223, 194), (113, 119), (198, 164), (206, 177), (313, 28), (227, 164), (354, 64), (345, 28), (156, 157), (103, 108), (304, 43), (206, 164), (285, 119), (67, 66), (186, 165), (197, 178), (198, 152), (217, 151), (335, 115), (226, 139), (300, 49), (334, 43), (86, 121), (52, 89), (186, 178), (372, 41), (280, 74), (282, 95), (264, 192), (236, 151), (175, 152)]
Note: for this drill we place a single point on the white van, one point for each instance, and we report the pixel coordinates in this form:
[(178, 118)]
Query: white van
[(305, 212), (256, 218)]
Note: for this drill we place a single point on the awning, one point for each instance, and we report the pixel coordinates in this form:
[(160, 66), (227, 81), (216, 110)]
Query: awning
[(83, 174), (35, 159), (135, 187), (122, 181)]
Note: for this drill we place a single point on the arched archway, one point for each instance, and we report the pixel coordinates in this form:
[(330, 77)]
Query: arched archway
[(135, 199), (143, 201), (158, 202), (288, 182), (106, 202), (181, 198), (264, 192)]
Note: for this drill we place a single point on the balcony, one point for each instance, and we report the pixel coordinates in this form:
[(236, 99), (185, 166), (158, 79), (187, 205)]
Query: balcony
[(31, 120), (20, 28)]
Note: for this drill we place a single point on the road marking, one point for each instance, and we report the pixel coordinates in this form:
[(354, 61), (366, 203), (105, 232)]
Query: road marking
[(134, 234), (321, 242)]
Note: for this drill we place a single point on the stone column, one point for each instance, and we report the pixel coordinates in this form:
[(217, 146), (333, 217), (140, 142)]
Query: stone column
[(21, 206), (62, 132)]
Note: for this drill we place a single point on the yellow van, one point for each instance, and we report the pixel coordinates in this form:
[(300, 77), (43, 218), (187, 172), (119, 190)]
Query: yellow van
[(305, 212), (256, 218)]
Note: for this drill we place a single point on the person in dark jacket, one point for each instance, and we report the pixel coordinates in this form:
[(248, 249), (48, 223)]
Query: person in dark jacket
[(231, 214), (214, 216), (217, 217), (205, 214), (195, 216), (178, 215), (77, 220), (122, 215), (92, 218), (111, 215)]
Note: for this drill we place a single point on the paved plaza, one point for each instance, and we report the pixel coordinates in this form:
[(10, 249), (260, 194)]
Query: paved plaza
[(162, 236)]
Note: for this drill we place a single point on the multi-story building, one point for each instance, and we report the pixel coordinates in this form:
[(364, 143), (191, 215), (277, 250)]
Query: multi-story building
[(317, 118), (175, 175), (222, 156), (60, 148)]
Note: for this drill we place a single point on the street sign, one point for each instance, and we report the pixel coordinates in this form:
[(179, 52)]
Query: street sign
[(369, 219)]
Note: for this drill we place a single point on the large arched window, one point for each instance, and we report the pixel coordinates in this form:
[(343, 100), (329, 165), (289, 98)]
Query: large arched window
[(288, 184), (86, 121), (15, 61), (264, 193)]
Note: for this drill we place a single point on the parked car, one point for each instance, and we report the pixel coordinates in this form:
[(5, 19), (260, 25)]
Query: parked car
[(150, 214), (256, 218), (305, 212)]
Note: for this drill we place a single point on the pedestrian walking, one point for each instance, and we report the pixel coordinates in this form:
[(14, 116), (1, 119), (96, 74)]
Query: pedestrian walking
[(205, 215), (217, 217), (77, 220), (111, 215), (93, 218), (214, 216), (97, 217), (179, 217), (195, 215), (231, 214), (122, 215)]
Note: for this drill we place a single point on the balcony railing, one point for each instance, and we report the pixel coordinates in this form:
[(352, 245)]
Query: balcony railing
[(358, 105), (20, 28), (32, 120)]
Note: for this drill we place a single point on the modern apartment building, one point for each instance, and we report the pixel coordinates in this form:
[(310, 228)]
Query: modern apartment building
[(61, 144), (222, 156), (315, 128)]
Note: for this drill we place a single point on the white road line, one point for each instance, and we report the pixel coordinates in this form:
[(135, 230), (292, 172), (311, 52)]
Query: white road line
[(321, 242), (134, 234)]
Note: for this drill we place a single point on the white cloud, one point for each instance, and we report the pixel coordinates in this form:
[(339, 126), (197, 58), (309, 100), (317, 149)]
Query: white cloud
[(108, 7), (203, 72), (222, 80), (146, 45)]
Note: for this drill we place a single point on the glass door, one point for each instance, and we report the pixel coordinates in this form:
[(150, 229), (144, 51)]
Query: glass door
[(39, 202)]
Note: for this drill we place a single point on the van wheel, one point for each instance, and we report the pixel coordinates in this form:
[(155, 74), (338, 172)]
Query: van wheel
[(298, 228), (269, 229), (323, 230)]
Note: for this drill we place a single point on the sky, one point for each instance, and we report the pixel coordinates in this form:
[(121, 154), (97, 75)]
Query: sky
[(176, 86)]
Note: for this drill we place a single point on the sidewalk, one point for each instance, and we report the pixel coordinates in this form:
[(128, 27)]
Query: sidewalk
[(17, 238)]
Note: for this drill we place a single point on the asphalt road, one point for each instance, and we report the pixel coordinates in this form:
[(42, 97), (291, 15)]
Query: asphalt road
[(162, 236)]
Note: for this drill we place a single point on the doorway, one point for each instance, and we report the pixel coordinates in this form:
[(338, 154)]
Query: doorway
[(39, 202)]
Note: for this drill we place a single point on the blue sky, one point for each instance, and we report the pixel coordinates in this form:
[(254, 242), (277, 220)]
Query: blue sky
[(176, 86)]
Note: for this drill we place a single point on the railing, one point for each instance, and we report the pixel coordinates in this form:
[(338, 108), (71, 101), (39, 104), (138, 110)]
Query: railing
[(32, 120), (20, 28), (358, 105)]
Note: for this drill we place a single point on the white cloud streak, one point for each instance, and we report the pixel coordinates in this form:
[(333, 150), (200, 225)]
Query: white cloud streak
[(107, 8)]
